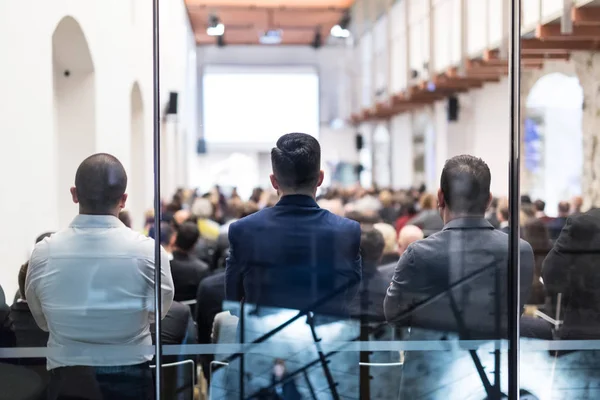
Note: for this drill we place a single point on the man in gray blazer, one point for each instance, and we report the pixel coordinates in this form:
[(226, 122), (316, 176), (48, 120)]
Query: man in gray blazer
[(454, 281)]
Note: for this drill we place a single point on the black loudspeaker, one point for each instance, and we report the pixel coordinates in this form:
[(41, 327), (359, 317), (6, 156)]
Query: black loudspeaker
[(172, 106), (359, 141), (453, 108), (201, 146)]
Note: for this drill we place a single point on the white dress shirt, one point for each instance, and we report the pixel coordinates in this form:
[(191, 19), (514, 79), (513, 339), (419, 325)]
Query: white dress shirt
[(91, 286)]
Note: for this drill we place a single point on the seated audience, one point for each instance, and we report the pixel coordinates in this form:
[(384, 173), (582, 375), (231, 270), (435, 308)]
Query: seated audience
[(556, 225), (571, 271), (428, 218), (540, 207), (388, 212), (91, 286), (503, 216), (536, 234), (467, 246), (368, 304), (186, 269), (408, 235), (407, 212), (203, 210), (125, 218), (390, 251), (295, 253)]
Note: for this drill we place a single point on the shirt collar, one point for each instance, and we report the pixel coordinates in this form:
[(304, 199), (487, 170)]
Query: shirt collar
[(468, 223), (297, 200), (96, 221)]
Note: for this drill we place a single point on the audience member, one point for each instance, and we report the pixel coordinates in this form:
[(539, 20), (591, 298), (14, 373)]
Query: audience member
[(390, 251), (295, 253), (503, 216), (576, 205), (407, 212), (492, 213), (125, 218), (540, 207), (203, 210), (388, 212), (92, 285), (536, 234), (408, 235), (467, 248), (368, 304), (557, 224), (571, 274), (428, 218), (186, 269)]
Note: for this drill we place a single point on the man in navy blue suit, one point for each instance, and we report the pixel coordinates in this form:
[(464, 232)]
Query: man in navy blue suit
[(295, 255)]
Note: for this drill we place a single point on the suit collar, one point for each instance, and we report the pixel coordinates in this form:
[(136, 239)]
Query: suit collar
[(468, 223), (300, 200)]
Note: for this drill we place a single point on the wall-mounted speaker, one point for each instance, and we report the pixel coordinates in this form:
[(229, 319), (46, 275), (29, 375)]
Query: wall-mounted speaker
[(201, 146), (453, 108), (172, 105), (359, 142)]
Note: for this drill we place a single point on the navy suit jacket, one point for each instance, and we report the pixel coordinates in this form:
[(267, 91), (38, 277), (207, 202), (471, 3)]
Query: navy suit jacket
[(294, 255)]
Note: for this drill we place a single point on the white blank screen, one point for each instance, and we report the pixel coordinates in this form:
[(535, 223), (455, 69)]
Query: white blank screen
[(256, 105)]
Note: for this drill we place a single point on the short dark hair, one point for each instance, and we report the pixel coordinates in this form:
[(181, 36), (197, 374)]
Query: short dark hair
[(372, 244), (21, 278), (100, 183), (187, 236), (465, 183), (564, 207), (504, 212), (296, 161), (540, 205)]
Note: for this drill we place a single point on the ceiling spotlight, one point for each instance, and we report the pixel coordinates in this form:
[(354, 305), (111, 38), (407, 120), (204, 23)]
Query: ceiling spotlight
[(339, 32), (215, 27), (273, 36)]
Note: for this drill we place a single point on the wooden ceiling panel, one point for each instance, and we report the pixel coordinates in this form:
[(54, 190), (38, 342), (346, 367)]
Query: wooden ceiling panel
[(245, 21), (305, 18), (275, 3)]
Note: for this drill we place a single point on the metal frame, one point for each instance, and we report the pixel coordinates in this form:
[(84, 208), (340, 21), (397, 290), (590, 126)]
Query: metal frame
[(513, 292), (157, 213)]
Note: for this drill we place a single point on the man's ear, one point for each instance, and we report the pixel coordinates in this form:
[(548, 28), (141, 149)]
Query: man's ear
[(440, 199), (489, 203), (73, 191), (123, 201), (274, 182), (321, 177)]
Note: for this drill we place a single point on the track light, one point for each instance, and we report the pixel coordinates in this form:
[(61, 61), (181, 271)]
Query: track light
[(339, 32), (215, 27)]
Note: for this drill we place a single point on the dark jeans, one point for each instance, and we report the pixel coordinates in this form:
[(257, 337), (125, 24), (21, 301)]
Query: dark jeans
[(131, 382)]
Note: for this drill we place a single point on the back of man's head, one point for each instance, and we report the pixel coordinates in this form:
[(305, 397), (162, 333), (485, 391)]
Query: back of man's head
[(100, 183), (296, 162), (539, 205), (465, 185), (409, 234), (563, 208), (371, 246), (186, 237)]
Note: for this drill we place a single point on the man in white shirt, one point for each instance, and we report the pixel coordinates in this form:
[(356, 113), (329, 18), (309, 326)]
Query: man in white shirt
[(91, 286)]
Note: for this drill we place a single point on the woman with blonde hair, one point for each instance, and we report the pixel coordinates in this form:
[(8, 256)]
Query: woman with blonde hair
[(390, 250), (428, 218)]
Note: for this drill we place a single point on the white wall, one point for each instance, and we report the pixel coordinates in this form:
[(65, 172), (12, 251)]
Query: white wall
[(118, 35), (482, 130), (328, 61), (401, 135)]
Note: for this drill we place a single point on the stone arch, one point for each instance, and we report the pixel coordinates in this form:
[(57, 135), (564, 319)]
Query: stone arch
[(74, 89), (553, 139)]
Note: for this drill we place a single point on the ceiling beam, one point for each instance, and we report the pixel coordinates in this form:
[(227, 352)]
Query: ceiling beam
[(556, 47), (552, 32), (586, 16)]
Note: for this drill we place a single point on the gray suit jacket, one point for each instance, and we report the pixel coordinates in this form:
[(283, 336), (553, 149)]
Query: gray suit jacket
[(465, 264)]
